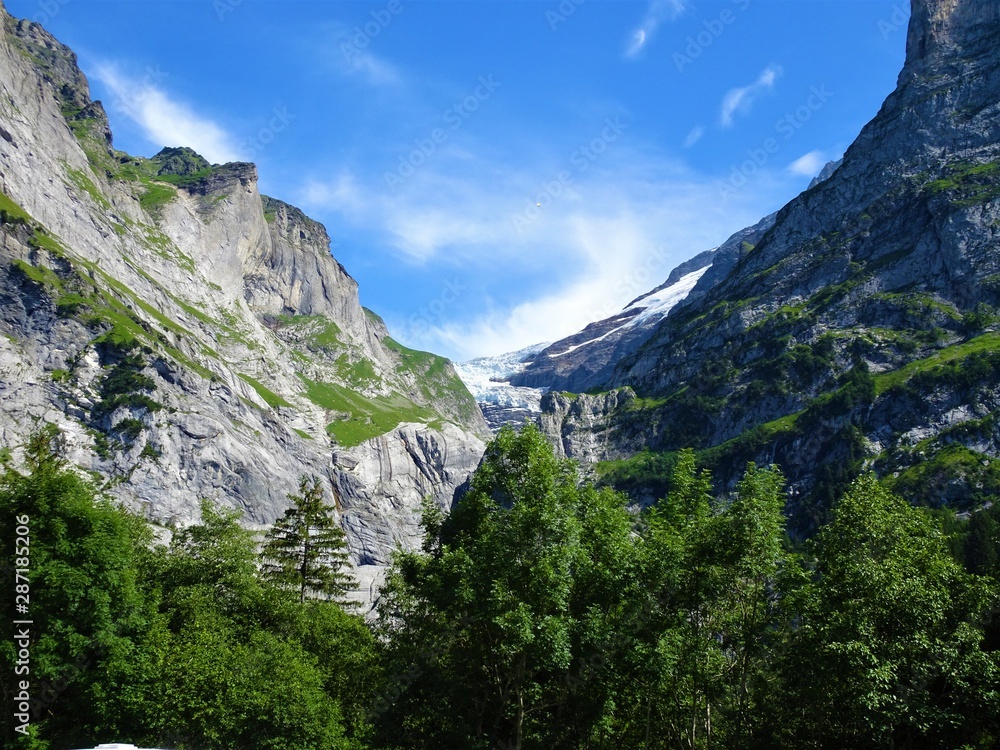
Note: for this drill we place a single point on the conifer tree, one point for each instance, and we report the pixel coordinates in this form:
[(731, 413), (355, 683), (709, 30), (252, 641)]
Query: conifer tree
[(305, 551)]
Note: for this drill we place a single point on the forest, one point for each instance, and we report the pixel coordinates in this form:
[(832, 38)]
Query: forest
[(541, 612)]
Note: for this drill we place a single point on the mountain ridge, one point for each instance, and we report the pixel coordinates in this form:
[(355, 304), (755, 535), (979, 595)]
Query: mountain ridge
[(830, 346), (194, 339)]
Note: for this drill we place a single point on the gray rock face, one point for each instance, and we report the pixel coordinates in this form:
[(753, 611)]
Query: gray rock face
[(581, 426), (887, 218), (194, 339), (891, 261)]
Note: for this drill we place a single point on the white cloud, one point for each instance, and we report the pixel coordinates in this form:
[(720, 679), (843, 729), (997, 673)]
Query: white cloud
[(163, 120), (808, 165), (740, 100), (694, 136), (614, 231), (657, 12)]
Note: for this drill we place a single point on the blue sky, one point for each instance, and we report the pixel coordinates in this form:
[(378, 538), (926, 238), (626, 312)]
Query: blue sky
[(425, 133)]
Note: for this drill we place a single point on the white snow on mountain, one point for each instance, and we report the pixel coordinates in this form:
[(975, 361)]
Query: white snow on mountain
[(591, 341), (658, 304), (488, 379), (653, 306)]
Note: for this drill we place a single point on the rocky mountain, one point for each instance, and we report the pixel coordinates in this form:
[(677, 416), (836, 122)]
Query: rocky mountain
[(193, 338), (860, 330), (586, 359)]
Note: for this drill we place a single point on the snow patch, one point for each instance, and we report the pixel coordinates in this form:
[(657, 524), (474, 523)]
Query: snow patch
[(658, 304), (653, 305), (592, 341), (488, 379)]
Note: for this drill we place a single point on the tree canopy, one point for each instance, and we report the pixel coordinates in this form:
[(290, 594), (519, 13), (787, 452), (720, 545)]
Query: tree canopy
[(540, 612)]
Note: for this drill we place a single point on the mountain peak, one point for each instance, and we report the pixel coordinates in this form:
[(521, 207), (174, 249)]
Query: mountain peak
[(943, 30)]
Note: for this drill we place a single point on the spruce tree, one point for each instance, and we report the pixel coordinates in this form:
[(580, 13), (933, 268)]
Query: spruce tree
[(305, 551)]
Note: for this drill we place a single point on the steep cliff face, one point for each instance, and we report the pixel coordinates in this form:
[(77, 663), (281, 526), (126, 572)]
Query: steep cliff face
[(912, 205), (855, 307), (194, 339)]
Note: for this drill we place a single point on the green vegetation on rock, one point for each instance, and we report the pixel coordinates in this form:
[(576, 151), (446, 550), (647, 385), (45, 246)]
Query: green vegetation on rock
[(436, 383), (12, 211), (271, 398), (364, 417), (968, 184), (82, 181)]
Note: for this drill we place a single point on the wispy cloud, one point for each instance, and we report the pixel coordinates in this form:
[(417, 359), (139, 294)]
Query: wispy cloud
[(613, 233), (163, 120), (694, 136), (354, 60), (739, 101), (808, 165), (373, 69), (657, 12)]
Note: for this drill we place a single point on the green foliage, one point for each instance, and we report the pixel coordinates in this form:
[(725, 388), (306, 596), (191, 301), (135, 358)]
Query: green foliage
[(271, 398), (305, 551), (221, 689), (539, 614), (981, 545), (644, 474), (226, 665), (704, 658), (888, 649), (87, 605), (184, 647), (892, 631), (498, 632)]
